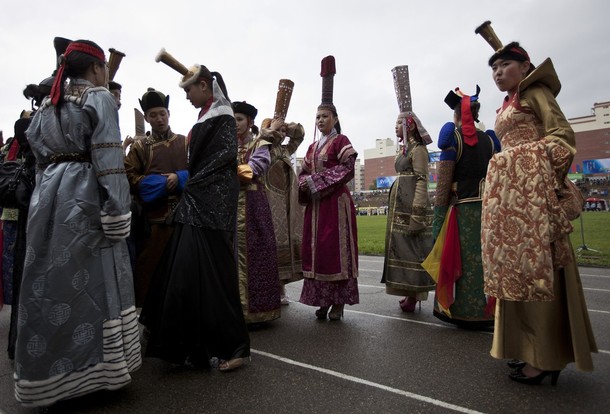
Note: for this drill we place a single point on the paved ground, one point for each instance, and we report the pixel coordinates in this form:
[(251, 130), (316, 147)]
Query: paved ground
[(376, 360)]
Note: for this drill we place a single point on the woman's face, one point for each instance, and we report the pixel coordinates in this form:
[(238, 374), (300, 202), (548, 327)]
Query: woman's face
[(325, 121), (508, 74), (398, 127), (198, 93), (244, 123)]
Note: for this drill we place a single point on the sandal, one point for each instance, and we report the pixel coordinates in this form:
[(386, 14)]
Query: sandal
[(230, 365)]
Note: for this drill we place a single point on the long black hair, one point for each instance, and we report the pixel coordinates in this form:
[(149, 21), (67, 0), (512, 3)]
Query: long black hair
[(207, 76), (76, 64)]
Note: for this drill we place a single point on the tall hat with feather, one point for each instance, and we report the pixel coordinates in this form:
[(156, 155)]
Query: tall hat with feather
[(402, 88), (189, 75)]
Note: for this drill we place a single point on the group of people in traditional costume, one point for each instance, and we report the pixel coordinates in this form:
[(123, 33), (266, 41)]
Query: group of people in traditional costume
[(203, 231), (496, 250), (412, 267)]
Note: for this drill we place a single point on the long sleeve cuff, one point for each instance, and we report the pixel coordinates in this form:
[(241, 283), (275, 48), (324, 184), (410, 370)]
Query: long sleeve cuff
[(116, 227), (152, 187), (244, 173), (183, 176)]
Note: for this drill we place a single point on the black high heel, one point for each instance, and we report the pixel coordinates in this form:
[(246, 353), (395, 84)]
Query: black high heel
[(516, 364), (519, 376), (336, 312), (321, 313)]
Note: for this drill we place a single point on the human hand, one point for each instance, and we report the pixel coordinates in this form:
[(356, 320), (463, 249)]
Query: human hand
[(276, 124), (172, 182), (127, 142)]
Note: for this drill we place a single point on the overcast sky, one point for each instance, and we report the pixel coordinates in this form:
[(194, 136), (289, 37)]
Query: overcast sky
[(253, 44)]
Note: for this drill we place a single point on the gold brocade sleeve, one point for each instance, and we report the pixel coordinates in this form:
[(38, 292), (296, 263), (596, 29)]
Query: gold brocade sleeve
[(244, 173), (559, 135)]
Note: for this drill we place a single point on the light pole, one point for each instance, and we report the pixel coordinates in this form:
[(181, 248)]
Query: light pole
[(582, 235)]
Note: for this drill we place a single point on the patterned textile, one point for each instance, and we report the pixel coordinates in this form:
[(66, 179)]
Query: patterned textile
[(330, 242), (321, 293), (470, 301), (547, 325), (259, 282), (409, 234), (281, 185), (524, 230), (78, 330), (329, 250), (9, 235), (210, 195)]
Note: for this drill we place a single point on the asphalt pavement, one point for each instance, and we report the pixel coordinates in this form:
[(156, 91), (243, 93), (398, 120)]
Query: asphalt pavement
[(376, 360)]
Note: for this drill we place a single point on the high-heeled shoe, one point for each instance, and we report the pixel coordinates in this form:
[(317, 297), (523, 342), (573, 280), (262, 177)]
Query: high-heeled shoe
[(519, 376), (407, 304), (321, 313), (515, 364), (336, 312), (230, 365)]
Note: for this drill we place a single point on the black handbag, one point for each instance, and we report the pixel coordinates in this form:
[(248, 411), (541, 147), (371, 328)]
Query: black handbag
[(16, 184)]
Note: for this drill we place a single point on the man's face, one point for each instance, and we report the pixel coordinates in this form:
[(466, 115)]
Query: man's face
[(158, 118)]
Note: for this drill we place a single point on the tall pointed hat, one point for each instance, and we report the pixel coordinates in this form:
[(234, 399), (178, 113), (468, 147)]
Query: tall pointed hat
[(402, 87), (511, 51), (327, 72), (282, 100)]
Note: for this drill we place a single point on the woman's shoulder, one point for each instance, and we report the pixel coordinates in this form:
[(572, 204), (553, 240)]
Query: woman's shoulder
[(419, 150), (342, 141), (446, 137), (342, 137), (219, 121)]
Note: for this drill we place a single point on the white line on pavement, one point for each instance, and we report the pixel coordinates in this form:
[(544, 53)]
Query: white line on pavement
[(438, 325), (597, 290), (407, 394), (588, 275), (370, 270), (598, 311), (371, 286)]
